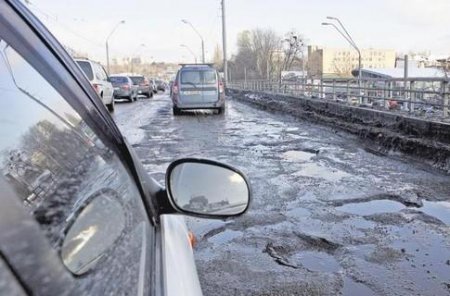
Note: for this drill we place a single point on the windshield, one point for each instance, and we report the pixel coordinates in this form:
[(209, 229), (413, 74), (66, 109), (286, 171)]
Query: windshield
[(87, 69)]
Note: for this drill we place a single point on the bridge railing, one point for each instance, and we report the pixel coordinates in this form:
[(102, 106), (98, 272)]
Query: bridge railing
[(423, 97)]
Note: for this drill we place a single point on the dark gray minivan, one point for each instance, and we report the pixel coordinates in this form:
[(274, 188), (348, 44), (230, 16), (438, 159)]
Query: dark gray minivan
[(198, 86)]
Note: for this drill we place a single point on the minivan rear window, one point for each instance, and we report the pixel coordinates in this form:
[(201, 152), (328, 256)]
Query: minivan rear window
[(87, 69), (198, 77)]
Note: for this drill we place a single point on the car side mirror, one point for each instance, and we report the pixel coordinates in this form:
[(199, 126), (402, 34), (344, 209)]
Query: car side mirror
[(207, 188), (108, 79)]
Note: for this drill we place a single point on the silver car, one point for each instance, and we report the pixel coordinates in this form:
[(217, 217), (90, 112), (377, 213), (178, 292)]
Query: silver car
[(123, 87), (143, 85), (198, 87)]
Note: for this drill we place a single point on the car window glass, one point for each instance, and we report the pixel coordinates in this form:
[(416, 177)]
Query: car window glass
[(87, 69), (209, 77), (98, 72), (102, 70), (190, 77), (137, 79), (118, 80), (62, 172)]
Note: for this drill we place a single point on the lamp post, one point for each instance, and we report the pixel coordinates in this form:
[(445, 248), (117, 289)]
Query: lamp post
[(107, 47), (349, 39), (190, 50), (199, 35)]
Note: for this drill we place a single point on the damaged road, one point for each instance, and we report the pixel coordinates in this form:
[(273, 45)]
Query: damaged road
[(328, 217)]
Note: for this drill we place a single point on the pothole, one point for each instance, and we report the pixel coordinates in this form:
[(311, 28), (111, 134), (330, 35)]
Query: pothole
[(316, 261), (372, 207), (297, 155), (437, 209), (316, 171), (225, 236)]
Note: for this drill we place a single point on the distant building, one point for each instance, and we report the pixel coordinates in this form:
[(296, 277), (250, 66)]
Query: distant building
[(413, 72), (338, 62)]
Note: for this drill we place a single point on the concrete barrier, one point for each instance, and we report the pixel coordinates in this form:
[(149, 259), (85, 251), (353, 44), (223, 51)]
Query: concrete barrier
[(384, 131)]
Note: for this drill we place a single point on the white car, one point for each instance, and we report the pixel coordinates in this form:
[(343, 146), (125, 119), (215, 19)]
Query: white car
[(99, 80)]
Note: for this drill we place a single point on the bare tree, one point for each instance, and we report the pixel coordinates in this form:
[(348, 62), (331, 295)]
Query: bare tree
[(343, 67), (266, 43)]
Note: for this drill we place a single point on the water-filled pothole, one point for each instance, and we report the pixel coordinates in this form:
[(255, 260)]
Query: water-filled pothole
[(316, 171), (372, 207), (297, 155), (225, 236), (316, 261), (437, 209)]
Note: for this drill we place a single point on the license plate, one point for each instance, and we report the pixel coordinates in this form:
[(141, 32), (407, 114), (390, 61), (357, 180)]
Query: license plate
[(117, 88), (190, 92)]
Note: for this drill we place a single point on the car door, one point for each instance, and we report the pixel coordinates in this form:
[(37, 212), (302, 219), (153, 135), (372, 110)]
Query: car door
[(75, 221), (210, 86), (190, 87)]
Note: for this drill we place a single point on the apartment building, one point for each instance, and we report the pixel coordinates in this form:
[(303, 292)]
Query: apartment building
[(339, 62)]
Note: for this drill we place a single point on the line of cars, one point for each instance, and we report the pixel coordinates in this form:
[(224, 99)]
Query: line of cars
[(118, 86)]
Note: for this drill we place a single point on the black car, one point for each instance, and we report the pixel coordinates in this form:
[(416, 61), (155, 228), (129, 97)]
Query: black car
[(79, 215)]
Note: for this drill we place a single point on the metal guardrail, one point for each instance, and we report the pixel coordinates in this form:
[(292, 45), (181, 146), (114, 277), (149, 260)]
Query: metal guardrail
[(424, 97)]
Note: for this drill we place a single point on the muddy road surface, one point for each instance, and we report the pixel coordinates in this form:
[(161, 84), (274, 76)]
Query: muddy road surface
[(328, 216)]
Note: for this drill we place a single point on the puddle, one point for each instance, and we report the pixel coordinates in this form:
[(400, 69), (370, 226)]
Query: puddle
[(359, 222), (298, 213), (297, 155), (437, 209), (372, 207), (352, 288), (225, 236), (316, 171), (316, 261), (291, 129)]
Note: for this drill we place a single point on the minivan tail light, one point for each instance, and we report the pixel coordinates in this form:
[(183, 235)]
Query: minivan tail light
[(175, 89), (221, 88), (125, 86)]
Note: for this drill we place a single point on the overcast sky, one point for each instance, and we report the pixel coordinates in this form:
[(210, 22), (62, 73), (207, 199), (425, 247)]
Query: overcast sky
[(402, 25)]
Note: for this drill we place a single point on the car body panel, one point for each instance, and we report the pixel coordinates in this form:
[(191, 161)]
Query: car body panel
[(180, 272)]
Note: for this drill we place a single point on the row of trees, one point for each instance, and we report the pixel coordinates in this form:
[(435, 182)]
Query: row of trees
[(262, 53)]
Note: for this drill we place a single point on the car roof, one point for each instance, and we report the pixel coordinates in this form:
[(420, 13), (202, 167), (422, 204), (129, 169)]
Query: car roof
[(197, 67)]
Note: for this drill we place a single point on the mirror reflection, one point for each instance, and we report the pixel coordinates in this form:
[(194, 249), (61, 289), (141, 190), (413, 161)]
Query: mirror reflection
[(94, 231), (208, 189)]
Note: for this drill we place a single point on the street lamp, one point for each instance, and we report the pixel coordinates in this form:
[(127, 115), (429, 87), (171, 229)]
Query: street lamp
[(190, 50), (107, 48), (349, 39), (201, 38)]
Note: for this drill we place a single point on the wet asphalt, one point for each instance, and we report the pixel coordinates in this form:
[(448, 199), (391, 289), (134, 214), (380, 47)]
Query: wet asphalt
[(328, 217)]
